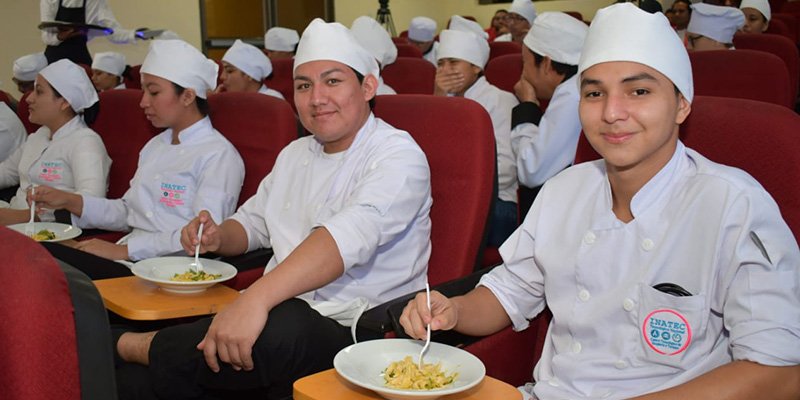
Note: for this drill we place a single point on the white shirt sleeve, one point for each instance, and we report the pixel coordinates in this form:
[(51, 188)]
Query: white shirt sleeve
[(103, 213), (89, 164), (9, 169), (544, 150)]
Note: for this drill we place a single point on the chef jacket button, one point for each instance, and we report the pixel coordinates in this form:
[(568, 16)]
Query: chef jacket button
[(157, 177), (305, 162), (182, 151), (374, 165), (589, 238), (319, 207), (149, 214), (553, 382), (576, 347), (648, 244), (628, 305), (620, 364), (287, 205), (584, 295)]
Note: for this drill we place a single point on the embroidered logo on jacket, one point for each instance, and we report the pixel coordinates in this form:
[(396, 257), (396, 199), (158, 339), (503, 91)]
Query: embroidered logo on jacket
[(667, 332), (51, 171), (172, 194)]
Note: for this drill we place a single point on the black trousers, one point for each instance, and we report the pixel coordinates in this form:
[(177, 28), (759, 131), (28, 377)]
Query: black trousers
[(297, 341)]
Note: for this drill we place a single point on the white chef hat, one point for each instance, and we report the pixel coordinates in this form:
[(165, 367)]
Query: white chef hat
[(71, 81), (524, 8), (333, 41), (464, 46), (761, 5), (459, 23), (281, 39), (179, 62), (248, 59), (558, 36), (422, 29), (715, 22), (110, 62), (623, 32), (375, 39), (27, 67)]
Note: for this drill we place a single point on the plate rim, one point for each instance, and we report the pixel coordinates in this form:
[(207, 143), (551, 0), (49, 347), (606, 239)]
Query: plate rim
[(20, 228), (408, 392), (143, 264)]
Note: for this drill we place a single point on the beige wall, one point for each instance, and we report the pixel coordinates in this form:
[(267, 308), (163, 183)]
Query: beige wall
[(18, 20)]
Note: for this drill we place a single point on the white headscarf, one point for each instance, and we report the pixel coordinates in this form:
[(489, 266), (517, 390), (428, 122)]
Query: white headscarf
[(71, 81), (248, 59), (558, 36), (761, 5), (333, 41), (110, 62), (281, 39), (524, 8), (623, 32), (715, 22), (182, 64), (464, 46), (27, 67), (422, 29), (375, 39)]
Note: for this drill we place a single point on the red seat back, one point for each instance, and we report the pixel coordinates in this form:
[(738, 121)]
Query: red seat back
[(457, 137), (410, 75), (779, 27), (497, 49), (400, 39), (746, 74), (758, 137), (282, 79), (259, 126), (133, 80), (777, 45), (791, 21), (36, 323), (24, 112), (407, 50), (125, 130), (504, 71)]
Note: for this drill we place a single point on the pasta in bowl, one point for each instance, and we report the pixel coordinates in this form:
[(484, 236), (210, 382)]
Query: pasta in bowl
[(367, 364), (177, 275)]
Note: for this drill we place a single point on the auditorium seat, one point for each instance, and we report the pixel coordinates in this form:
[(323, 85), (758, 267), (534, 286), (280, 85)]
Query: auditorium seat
[(407, 50), (410, 75), (497, 49), (504, 71), (282, 79), (777, 45)]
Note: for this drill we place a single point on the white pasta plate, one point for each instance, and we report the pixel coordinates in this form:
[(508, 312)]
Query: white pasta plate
[(159, 270), (62, 231), (362, 364)]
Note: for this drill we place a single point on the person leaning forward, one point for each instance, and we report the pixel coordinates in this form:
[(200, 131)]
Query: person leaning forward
[(346, 212), (645, 257)]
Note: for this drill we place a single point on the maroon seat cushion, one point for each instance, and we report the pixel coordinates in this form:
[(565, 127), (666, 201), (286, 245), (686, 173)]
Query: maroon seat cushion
[(410, 75)]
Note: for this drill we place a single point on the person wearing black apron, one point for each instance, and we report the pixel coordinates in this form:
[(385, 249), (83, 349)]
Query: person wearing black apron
[(73, 41)]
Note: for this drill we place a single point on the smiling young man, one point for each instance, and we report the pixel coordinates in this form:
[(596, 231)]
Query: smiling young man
[(645, 257), (346, 212)]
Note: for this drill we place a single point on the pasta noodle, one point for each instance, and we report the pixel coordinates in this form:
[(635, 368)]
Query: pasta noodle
[(194, 276), (406, 374), (43, 235)]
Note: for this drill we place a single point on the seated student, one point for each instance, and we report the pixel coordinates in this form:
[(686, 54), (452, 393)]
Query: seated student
[(12, 132), (346, 212), (463, 53), (280, 42), (25, 70), (64, 152), (757, 14), (422, 35), (187, 168), (712, 27), (108, 69), (518, 21), (498, 25), (544, 142), (371, 35), (244, 68), (681, 15), (645, 257)]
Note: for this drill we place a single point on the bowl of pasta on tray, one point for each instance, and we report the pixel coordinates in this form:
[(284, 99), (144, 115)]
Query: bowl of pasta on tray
[(389, 367), (180, 275)]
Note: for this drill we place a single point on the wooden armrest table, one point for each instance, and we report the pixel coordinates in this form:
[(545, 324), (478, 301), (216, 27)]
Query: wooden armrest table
[(328, 385), (137, 299)]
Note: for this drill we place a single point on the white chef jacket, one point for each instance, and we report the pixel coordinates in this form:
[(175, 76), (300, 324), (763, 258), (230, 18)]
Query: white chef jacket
[(543, 151), (499, 103), (270, 92), (383, 88), (375, 203), (506, 37), (97, 13), (431, 54), (12, 132), (172, 184), (120, 86), (613, 335), (75, 160)]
